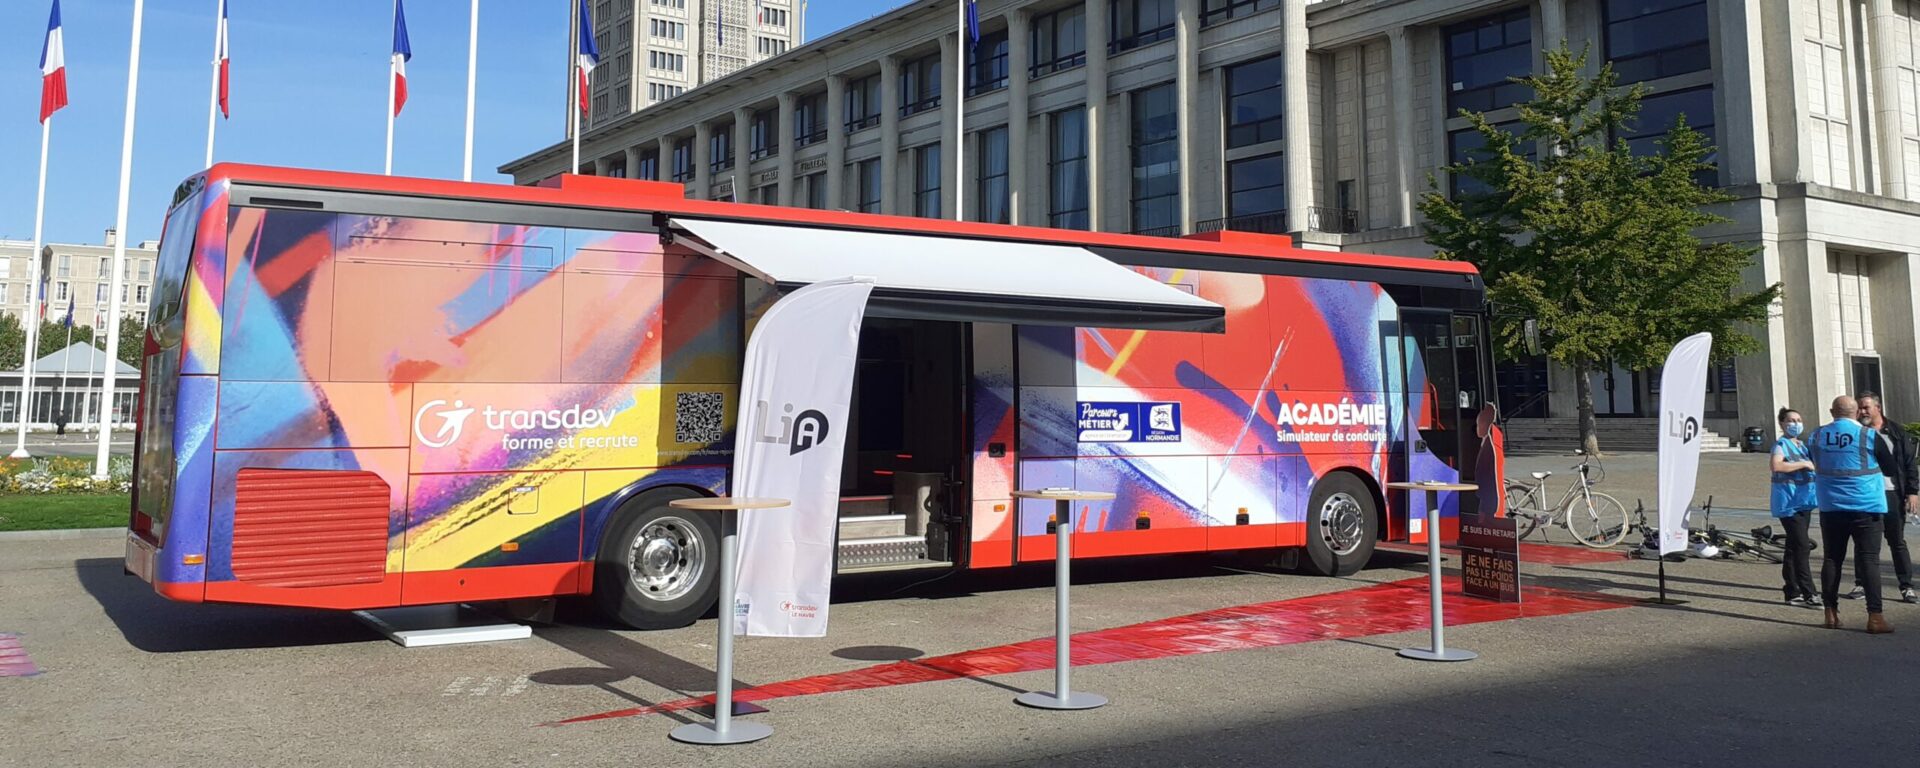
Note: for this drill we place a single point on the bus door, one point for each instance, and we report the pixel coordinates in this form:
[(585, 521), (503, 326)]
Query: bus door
[(1434, 406)]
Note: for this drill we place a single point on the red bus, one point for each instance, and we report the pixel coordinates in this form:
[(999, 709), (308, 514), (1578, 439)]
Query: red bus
[(365, 391)]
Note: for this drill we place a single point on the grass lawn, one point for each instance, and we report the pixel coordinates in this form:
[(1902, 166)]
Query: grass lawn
[(46, 512)]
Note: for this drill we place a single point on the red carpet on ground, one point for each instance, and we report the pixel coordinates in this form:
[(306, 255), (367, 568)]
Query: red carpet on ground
[(1373, 610)]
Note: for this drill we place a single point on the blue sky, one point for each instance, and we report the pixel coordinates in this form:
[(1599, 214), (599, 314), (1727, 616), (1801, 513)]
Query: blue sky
[(308, 89)]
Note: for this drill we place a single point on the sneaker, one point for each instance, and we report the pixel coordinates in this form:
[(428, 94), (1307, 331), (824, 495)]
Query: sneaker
[(1907, 595), (1813, 602), (1857, 593), (1797, 600)]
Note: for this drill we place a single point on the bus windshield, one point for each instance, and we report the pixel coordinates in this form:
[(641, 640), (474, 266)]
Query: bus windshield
[(170, 277)]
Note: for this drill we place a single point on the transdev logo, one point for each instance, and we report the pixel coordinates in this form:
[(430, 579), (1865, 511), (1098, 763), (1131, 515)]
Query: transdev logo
[(446, 425)]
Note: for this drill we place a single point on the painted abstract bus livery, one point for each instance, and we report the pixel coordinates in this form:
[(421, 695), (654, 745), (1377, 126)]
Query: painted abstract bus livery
[(345, 409)]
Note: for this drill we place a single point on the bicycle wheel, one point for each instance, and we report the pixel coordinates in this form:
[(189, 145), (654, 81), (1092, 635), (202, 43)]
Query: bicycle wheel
[(1601, 524), (1525, 519)]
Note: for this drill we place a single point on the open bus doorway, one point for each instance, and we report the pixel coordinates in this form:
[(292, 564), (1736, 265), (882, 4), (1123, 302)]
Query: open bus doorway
[(905, 446)]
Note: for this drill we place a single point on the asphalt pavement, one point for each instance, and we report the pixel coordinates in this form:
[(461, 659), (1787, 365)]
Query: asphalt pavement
[(1208, 661), (74, 443)]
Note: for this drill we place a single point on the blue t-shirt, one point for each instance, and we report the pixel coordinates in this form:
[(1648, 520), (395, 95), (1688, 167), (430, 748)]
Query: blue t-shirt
[(1792, 491), (1847, 476)]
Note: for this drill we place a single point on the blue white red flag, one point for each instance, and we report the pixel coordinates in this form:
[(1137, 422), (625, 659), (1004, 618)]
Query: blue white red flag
[(220, 55), (53, 67), (589, 55), (402, 52)]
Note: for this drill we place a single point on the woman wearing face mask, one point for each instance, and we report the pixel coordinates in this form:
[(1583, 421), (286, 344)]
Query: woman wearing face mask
[(1793, 503)]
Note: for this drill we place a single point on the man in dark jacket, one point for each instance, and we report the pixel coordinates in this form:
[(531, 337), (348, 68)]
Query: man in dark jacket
[(1896, 455)]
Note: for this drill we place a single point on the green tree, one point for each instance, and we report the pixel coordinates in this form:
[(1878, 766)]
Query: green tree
[(1595, 243), (13, 342), (53, 336), (133, 334)]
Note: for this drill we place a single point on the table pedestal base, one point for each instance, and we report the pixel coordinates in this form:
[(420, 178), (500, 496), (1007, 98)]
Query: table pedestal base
[(738, 732), (1074, 700), (1449, 654)]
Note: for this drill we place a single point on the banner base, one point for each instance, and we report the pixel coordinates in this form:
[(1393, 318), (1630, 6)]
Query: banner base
[(1661, 601), (737, 733), (1074, 700), (1447, 654)]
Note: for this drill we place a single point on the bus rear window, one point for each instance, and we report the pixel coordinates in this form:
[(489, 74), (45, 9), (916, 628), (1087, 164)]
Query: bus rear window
[(170, 275)]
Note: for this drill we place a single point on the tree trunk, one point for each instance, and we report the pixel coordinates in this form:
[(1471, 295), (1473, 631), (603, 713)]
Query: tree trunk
[(1583, 391)]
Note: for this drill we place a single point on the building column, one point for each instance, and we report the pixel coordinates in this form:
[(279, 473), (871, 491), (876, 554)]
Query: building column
[(783, 133), (1019, 59), (632, 156), (836, 118), (743, 155), (952, 107), (1099, 30), (1786, 76), (1744, 148), (1553, 24), (1298, 120), (1896, 294), (889, 135), (1186, 78), (1883, 30), (602, 166), (702, 177), (664, 166), (1400, 91), (1808, 314)]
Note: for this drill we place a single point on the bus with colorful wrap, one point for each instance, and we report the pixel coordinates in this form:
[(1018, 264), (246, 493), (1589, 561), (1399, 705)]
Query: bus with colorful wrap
[(368, 391)]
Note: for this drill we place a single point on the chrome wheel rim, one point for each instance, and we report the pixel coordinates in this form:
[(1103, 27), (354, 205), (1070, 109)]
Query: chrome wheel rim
[(1342, 523), (666, 558)]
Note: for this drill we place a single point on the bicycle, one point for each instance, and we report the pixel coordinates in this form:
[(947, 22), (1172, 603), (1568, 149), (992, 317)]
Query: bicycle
[(1594, 518)]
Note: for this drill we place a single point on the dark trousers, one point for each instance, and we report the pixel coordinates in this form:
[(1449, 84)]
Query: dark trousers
[(1796, 572), (1895, 527), (1863, 531)]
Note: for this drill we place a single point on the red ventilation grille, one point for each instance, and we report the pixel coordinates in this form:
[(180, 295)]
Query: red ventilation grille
[(307, 528)]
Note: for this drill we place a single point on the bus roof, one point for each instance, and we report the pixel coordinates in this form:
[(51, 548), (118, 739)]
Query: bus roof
[(637, 196)]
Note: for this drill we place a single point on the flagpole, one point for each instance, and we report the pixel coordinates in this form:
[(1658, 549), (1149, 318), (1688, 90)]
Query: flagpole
[(575, 118), (960, 42), (390, 93), (120, 239), (473, 58), (34, 298), (66, 364), (213, 83)]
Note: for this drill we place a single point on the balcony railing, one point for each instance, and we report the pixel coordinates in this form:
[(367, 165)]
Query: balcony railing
[(1167, 231), (1342, 221)]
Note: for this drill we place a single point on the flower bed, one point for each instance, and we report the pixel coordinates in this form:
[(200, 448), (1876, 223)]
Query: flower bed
[(64, 474)]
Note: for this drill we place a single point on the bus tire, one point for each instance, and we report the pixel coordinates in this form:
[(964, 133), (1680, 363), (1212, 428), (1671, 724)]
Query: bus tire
[(658, 567), (1343, 522)]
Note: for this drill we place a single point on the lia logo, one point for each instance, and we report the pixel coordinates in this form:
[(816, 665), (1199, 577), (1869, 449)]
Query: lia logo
[(1686, 428), (798, 433), (446, 429)]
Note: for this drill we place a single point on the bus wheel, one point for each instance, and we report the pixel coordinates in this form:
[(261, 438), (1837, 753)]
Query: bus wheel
[(658, 567), (1342, 525)]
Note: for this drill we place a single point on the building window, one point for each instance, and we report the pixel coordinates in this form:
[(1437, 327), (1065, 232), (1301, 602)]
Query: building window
[(1067, 170), (1481, 55), (1216, 11), (920, 85), (994, 205), (1257, 193), (683, 160), (926, 181), (139, 294), (1256, 103), (1650, 39), (764, 133), (809, 120), (649, 166), (813, 188), (1658, 113), (987, 64), (1140, 22), (1156, 160), (106, 266), (868, 186), (769, 47), (773, 17), (767, 195), (1465, 145), (1059, 40), (720, 148), (863, 103), (60, 291), (100, 293), (63, 265)]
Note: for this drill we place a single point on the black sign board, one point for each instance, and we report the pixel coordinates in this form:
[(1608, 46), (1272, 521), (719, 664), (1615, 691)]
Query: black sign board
[(1489, 557)]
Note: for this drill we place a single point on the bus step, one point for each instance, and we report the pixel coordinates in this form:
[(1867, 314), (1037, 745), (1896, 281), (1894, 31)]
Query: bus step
[(855, 528), (887, 550), (909, 565)]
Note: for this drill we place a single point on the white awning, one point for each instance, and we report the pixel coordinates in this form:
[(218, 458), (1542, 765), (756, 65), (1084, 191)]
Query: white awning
[(953, 278)]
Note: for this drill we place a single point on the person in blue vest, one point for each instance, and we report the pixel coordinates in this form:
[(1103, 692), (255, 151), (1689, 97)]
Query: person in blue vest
[(1792, 503), (1853, 502), (1895, 453)]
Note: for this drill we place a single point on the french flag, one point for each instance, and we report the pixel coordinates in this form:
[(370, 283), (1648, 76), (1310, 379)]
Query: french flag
[(402, 51), (220, 55), (53, 68), (589, 55)]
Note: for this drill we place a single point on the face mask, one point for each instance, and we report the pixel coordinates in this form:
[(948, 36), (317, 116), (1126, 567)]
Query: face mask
[(1794, 429)]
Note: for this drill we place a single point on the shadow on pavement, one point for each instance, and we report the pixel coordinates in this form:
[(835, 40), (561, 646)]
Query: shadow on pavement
[(155, 624)]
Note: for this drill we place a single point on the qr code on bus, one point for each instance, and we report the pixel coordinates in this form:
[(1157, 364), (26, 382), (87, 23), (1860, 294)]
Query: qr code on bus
[(699, 417)]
